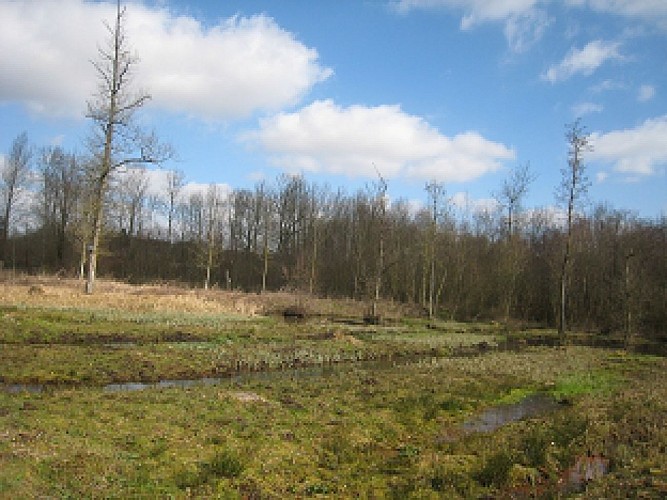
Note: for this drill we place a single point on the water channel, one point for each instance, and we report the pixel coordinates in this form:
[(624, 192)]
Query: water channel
[(328, 369)]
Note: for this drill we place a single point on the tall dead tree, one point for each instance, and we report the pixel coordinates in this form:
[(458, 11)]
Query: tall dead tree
[(573, 187), (116, 141)]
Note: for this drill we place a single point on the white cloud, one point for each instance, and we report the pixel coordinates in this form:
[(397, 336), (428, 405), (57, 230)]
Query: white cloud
[(464, 203), (600, 177), (525, 30), (640, 151), (231, 70), (584, 61), (196, 188), (226, 71), (476, 11), (353, 141), (524, 22), (607, 86), (586, 108), (646, 93), (655, 10)]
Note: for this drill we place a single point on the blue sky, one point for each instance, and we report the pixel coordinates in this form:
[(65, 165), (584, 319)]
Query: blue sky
[(453, 90)]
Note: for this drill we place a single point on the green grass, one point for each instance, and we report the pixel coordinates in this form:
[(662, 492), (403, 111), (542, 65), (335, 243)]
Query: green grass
[(73, 347), (357, 430), (353, 432)]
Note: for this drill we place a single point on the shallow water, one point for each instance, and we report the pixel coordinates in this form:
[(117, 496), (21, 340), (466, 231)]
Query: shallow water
[(511, 413), (240, 377), (497, 416)]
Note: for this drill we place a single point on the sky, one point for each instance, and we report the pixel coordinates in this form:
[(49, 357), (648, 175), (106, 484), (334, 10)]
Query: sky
[(456, 91)]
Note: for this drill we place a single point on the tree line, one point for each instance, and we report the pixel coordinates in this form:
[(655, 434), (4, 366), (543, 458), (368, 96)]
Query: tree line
[(501, 262)]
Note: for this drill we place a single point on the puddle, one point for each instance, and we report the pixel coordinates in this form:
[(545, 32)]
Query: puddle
[(18, 388), (493, 418), (585, 469), (162, 384)]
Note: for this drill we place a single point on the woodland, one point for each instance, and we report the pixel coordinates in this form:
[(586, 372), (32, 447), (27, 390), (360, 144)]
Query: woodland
[(502, 263)]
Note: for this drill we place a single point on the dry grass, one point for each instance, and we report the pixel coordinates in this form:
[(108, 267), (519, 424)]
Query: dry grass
[(50, 291)]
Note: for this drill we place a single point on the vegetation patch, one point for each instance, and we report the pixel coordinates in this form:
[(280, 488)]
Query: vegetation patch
[(303, 417)]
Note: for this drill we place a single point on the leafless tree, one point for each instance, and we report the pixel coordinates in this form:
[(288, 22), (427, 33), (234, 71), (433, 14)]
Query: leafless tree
[(265, 200), (115, 141), (512, 192), (61, 184), (510, 197), (574, 186), (380, 212), (13, 177), (435, 191), (213, 214), (175, 183), (132, 188)]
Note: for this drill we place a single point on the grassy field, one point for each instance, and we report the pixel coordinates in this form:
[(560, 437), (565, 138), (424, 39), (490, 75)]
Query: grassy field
[(320, 408)]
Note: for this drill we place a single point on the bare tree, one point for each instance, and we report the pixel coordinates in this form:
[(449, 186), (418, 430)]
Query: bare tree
[(61, 185), (380, 209), (510, 197), (213, 211), (265, 200), (436, 191), (574, 185), (116, 141), (13, 177), (133, 187), (513, 191), (175, 183)]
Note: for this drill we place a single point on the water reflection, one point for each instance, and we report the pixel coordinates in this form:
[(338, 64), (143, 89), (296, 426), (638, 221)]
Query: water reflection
[(496, 417)]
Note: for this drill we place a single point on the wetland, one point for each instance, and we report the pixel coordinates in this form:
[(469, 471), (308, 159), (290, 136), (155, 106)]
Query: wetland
[(111, 400)]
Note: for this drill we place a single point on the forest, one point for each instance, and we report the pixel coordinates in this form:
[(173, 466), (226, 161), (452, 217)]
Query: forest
[(501, 262)]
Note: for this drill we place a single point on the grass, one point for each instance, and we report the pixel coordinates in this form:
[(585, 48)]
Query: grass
[(380, 430)]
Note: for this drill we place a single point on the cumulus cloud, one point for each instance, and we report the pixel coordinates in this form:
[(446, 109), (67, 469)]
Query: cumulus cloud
[(524, 22), (353, 141), (646, 93), (583, 61), (639, 151), (226, 71)]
